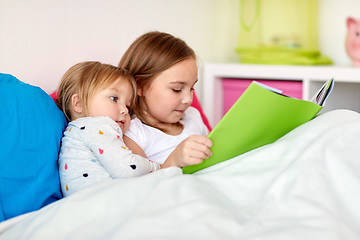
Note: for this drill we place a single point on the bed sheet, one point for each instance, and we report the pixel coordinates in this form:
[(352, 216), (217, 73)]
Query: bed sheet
[(306, 185)]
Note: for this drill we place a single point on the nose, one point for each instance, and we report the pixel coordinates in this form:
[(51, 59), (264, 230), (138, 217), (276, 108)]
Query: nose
[(124, 110), (188, 97)]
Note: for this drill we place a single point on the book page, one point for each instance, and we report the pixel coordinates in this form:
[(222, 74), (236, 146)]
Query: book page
[(323, 93)]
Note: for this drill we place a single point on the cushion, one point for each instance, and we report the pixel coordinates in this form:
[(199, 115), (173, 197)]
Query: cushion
[(31, 131)]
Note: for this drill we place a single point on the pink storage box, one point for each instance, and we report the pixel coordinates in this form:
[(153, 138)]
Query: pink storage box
[(233, 88)]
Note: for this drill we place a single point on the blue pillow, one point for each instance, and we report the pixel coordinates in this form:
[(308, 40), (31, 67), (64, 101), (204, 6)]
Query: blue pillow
[(31, 128)]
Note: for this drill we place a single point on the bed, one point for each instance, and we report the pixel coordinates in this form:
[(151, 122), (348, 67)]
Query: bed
[(306, 185)]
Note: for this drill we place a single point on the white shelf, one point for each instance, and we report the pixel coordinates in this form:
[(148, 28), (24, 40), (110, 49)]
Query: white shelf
[(346, 93)]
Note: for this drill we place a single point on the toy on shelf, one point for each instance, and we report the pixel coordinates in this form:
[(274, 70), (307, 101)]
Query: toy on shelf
[(353, 40)]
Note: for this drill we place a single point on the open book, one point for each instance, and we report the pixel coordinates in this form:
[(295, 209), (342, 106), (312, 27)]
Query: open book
[(260, 116)]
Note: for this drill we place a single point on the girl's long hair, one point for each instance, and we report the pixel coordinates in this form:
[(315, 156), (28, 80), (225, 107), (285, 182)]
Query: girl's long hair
[(148, 56)]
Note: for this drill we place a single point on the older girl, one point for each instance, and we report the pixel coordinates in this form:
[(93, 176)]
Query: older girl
[(166, 129)]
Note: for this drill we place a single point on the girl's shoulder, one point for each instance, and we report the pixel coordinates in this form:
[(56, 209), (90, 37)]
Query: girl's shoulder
[(193, 122), (136, 125), (136, 129), (192, 110), (140, 129), (141, 133), (191, 114)]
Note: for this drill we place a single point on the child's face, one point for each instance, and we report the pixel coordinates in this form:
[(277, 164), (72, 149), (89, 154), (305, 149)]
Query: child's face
[(113, 101), (171, 93)]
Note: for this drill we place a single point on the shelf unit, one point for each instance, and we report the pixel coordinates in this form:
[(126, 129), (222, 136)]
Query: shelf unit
[(346, 93)]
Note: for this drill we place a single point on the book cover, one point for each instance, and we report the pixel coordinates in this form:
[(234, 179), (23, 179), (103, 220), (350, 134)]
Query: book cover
[(259, 117)]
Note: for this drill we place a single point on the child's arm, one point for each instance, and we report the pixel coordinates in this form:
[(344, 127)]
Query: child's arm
[(189, 152), (135, 148), (78, 167), (104, 137)]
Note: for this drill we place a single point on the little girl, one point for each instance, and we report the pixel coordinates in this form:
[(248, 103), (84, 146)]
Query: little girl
[(95, 99), (165, 129)]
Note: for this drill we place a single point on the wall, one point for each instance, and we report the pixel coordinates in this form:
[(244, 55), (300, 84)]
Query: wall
[(41, 39), (332, 28)]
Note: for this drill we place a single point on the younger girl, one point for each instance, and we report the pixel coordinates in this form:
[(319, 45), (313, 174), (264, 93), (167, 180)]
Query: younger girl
[(165, 129), (95, 99)]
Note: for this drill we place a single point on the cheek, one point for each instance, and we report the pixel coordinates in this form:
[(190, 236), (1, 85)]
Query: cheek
[(165, 102), (355, 43), (94, 110), (127, 123), (160, 99), (103, 110)]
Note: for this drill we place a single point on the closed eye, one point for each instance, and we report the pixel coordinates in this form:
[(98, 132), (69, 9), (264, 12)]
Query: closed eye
[(114, 99), (177, 90)]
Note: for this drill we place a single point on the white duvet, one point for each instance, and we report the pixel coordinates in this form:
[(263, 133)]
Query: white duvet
[(306, 185)]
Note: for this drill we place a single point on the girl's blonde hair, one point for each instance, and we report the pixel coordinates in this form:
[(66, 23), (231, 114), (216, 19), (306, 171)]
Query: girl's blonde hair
[(86, 79), (148, 56)]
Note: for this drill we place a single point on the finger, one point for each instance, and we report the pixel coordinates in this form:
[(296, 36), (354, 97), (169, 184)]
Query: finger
[(204, 149), (200, 151), (201, 139), (195, 161)]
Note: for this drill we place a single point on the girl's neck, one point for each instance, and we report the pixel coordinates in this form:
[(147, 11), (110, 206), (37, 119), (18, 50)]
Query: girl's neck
[(171, 128)]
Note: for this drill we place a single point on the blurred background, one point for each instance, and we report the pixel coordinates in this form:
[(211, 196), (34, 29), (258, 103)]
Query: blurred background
[(41, 39)]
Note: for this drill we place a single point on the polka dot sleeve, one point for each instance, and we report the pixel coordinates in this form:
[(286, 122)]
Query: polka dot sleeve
[(104, 137), (93, 151)]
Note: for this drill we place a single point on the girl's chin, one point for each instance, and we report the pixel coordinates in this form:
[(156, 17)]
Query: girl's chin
[(170, 121), (177, 118)]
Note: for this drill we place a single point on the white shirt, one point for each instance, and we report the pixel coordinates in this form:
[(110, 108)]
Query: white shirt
[(158, 145)]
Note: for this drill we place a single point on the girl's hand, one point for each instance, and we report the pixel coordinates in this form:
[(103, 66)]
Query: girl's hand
[(189, 152)]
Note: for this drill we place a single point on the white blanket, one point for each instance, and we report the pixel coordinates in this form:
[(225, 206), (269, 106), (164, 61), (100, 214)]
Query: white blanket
[(306, 185)]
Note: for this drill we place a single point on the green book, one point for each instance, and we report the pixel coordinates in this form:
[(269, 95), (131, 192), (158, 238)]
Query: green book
[(260, 116)]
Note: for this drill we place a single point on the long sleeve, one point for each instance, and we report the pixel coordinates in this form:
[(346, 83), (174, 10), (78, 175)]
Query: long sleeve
[(104, 137), (93, 151)]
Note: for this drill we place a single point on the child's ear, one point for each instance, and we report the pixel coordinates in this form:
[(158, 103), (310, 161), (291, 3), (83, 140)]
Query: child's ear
[(139, 92), (76, 104)]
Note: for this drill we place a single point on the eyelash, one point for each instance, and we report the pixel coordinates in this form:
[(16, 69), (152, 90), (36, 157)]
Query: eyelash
[(179, 90)]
